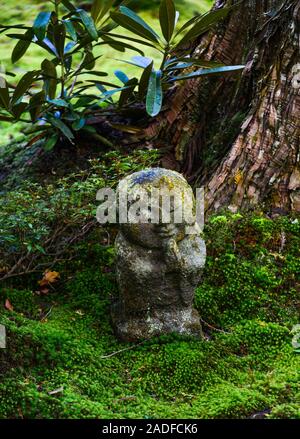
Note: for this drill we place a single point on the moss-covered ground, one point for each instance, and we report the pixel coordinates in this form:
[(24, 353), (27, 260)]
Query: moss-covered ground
[(62, 359)]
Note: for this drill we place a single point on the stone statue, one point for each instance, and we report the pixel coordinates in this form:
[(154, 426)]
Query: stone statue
[(158, 264)]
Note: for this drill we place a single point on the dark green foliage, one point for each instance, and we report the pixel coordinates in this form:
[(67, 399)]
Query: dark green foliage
[(60, 98), (51, 95), (39, 224), (168, 44), (139, 5)]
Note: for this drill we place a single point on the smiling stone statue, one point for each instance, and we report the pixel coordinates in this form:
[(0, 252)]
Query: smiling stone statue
[(160, 257)]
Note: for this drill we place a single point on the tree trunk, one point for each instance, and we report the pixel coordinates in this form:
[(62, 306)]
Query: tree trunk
[(239, 135)]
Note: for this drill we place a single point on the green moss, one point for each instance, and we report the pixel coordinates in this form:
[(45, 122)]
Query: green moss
[(58, 361), (24, 301), (287, 411), (252, 270)]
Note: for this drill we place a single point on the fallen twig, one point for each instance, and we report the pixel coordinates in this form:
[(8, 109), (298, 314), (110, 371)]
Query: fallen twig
[(47, 314), (213, 328), (123, 350)]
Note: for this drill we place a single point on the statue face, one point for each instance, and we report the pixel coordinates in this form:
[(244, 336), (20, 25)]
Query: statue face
[(153, 235), (170, 193)]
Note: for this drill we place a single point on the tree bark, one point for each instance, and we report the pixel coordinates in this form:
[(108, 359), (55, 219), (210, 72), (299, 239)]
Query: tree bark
[(238, 135)]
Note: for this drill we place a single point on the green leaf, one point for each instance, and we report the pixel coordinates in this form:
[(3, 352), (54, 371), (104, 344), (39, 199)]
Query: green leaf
[(49, 69), (69, 47), (139, 61), (89, 129), (188, 24), (121, 76), (88, 23), (19, 109), (50, 75), (108, 93), (17, 26), (59, 124), (24, 85), (154, 94), (59, 36), (40, 248), (132, 22), (50, 87), (93, 81), (84, 101), (103, 89), (128, 91), (91, 72), (10, 74), (96, 9), (144, 81), (177, 15), (35, 105), (70, 116), (51, 142), (167, 16), (4, 94), (204, 24), (204, 72), (59, 102), (68, 5), (78, 124), (7, 119), (40, 24), (23, 37), (129, 13), (135, 40), (100, 8), (48, 45), (71, 29), (119, 45), (89, 60), (176, 63), (21, 47)]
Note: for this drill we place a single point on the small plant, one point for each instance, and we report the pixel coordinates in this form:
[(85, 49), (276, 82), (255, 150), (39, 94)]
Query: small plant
[(154, 83), (53, 95), (59, 101)]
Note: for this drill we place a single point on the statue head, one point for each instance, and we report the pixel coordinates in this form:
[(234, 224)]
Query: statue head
[(159, 203)]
